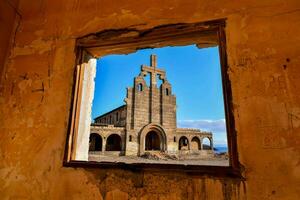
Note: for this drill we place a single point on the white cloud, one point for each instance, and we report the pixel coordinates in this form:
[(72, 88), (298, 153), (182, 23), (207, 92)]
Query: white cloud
[(215, 126)]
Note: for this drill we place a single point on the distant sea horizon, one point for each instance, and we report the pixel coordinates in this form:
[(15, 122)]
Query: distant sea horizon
[(220, 148)]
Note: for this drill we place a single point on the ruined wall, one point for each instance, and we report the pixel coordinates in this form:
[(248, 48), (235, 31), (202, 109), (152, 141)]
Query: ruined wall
[(138, 113), (162, 111), (194, 133), (140, 104), (106, 131), (116, 117), (168, 107), (8, 15), (263, 51), (146, 105)]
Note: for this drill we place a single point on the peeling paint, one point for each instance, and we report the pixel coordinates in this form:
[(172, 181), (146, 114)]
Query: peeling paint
[(38, 46)]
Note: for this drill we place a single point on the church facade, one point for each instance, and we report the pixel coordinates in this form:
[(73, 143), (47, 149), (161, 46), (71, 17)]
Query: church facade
[(147, 122)]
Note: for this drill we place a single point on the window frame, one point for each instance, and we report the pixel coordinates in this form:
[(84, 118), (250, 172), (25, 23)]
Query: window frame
[(85, 47)]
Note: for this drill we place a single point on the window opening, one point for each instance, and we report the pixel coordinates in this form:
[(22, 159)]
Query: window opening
[(140, 87), (189, 115)]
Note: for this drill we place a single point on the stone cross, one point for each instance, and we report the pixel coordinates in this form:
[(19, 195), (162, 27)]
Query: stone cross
[(153, 71)]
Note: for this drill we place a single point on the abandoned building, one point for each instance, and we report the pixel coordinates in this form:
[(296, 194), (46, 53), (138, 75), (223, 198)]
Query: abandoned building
[(147, 122), (38, 39)]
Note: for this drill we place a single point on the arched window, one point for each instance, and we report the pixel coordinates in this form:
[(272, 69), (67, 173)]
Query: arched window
[(130, 138), (113, 143), (206, 144), (167, 91), (183, 143), (140, 87), (195, 144), (95, 143)]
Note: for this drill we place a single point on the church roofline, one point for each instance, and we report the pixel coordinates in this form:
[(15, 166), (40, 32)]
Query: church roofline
[(192, 130), (110, 111), (105, 126)]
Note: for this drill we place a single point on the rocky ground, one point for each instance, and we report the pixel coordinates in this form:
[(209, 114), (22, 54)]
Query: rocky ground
[(161, 158)]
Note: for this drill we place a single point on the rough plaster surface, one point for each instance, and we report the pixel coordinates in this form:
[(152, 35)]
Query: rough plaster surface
[(9, 14), (263, 42)]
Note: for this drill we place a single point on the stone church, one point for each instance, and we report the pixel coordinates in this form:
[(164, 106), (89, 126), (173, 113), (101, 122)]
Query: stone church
[(147, 122)]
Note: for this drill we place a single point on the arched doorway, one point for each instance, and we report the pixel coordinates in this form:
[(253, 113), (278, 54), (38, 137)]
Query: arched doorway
[(206, 144), (195, 144), (152, 142), (113, 143), (95, 143), (148, 131), (183, 143)]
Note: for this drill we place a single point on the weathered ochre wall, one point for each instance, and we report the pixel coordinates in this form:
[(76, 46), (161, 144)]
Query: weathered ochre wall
[(8, 13), (263, 43)]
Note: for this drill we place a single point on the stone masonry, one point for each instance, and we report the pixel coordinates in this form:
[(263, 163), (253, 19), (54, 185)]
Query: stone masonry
[(147, 122)]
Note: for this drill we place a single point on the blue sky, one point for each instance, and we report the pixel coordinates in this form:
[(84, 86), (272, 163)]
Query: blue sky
[(193, 73)]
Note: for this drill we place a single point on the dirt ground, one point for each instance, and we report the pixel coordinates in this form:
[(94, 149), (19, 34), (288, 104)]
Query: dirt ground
[(214, 161)]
